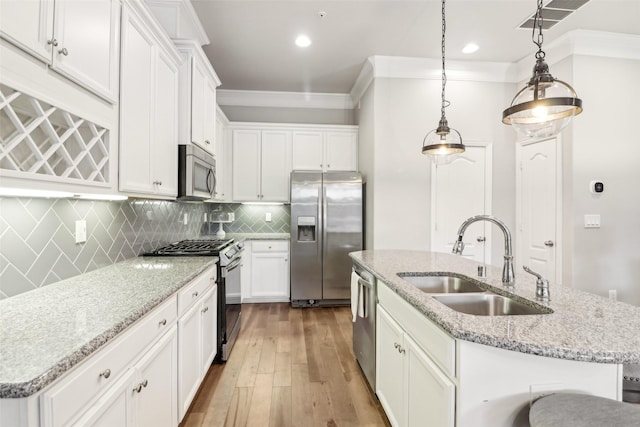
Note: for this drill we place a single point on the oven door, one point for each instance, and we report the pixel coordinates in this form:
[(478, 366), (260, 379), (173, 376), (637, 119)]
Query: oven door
[(232, 311)]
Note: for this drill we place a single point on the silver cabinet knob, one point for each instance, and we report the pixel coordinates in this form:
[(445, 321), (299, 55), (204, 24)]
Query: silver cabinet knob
[(481, 239), (64, 51), (163, 322), (105, 374), (204, 310), (549, 243), (195, 294), (207, 141), (52, 42)]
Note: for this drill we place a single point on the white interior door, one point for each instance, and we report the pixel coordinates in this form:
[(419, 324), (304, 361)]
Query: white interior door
[(538, 204), (460, 190)]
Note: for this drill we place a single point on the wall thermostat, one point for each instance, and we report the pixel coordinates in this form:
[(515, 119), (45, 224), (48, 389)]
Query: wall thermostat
[(597, 187)]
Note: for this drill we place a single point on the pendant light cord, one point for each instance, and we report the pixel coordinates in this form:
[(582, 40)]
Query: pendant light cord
[(538, 21), (445, 103)]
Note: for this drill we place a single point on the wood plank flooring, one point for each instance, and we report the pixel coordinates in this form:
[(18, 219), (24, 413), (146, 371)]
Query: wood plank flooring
[(289, 367)]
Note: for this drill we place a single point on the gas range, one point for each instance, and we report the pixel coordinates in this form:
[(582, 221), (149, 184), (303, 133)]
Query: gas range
[(203, 247)]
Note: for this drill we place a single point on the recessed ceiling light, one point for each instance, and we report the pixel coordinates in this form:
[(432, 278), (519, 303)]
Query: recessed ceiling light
[(470, 48), (303, 41)]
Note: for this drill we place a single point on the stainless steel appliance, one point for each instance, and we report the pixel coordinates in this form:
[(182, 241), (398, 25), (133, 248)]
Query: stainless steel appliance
[(196, 173), (364, 327), (326, 224), (229, 253)]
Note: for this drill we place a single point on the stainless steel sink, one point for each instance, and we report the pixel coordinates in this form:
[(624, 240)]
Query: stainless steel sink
[(489, 305), (440, 284)]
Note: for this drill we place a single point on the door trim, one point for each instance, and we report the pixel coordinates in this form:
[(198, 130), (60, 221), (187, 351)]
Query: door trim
[(559, 205), (488, 193)]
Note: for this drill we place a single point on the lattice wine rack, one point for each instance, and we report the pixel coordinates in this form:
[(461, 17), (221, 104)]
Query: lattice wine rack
[(39, 138)]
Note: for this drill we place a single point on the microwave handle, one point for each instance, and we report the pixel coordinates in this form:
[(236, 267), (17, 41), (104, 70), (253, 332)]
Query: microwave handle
[(211, 182), (215, 182)]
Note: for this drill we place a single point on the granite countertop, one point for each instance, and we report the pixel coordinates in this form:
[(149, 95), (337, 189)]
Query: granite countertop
[(583, 326), (47, 331), (259, 236)]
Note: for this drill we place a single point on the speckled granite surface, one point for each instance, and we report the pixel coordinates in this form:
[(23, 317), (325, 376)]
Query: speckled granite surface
[(583, 326), (259, 236), (45, 332)]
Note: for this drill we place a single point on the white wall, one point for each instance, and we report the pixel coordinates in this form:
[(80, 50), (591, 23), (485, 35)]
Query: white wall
[(288, 115), (606, 146), (365, 113), (403, 111)]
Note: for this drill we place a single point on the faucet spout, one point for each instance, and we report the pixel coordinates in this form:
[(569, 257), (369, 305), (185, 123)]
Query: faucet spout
[(508, 274)]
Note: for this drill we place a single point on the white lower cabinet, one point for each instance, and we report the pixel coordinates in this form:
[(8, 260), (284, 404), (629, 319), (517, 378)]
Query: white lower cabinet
[(411, 388), (269, 271), (197, 337), (145, 396)]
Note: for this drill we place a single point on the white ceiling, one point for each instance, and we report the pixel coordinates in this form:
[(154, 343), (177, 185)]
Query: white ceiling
[(252, 42)]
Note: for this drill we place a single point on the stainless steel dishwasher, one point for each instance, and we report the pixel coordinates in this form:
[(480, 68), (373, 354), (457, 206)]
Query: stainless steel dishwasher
[(364, 327)]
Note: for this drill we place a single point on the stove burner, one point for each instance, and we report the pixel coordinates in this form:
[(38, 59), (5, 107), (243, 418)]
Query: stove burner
[(193, 248)]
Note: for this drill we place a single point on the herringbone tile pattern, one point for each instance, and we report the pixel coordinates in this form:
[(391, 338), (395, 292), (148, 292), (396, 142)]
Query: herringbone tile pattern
[(251, 218)]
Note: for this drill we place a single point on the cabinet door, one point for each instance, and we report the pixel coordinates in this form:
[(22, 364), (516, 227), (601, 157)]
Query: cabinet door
[(198, 103), (390, 384), (270, 276), (28, 25), (189, 355), (307, 151), (164, 156), (221, 162), (113, 408), (135, 106), (209, 116), (275, 166), (431, 395), (246, 165), (156, 402), (87, 51), (209, 328), (341, 151)]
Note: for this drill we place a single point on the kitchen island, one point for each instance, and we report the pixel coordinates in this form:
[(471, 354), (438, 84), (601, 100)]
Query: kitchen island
[(488, 368)]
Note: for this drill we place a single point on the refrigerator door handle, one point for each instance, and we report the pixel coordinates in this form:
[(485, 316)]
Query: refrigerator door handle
[(324, 223)]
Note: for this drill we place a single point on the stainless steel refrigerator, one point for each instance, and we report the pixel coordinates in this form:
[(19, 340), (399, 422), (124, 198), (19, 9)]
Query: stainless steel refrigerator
[(326, 224)]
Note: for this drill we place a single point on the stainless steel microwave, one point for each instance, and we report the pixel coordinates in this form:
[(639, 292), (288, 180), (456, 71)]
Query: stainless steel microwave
[(196, 173)]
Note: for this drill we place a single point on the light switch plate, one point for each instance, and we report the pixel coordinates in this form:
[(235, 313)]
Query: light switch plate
[(81, 231), (267, 216), (592, 221)]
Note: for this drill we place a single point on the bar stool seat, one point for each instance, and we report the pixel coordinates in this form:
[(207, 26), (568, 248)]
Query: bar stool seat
[(582, 410)]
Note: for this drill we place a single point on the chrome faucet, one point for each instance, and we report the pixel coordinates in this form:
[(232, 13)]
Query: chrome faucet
[(542, 285), (508, 275)]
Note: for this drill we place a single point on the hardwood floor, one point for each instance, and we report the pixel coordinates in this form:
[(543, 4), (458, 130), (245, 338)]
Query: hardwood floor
[(289, 367)]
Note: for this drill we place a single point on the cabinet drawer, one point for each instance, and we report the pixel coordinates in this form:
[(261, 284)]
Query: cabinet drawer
[(439, 345), (67, 398), (195, 290), (270, 246)]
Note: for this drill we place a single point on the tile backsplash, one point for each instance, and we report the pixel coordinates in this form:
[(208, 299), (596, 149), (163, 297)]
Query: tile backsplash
[(37, 243)]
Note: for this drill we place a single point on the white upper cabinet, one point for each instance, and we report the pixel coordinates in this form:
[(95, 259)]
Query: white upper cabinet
[(261, 165), (148, 107), (78, 39), (198, 83), (325, 149)]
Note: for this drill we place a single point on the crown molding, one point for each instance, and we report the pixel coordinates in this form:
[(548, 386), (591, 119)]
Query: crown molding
[(586, 43), (256, 98), (179, 19), (397, 67)]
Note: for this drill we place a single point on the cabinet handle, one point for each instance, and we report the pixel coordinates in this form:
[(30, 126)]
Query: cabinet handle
[(106, 373), (328, 166), (138, 388), (396, 345), (204, 310), (401, 350), (159, 182), (207, 141), (163, 322), (549, 243), (52, 42), (64, 51), (195, 294), (480, 239), (321, 165), (145, 383)]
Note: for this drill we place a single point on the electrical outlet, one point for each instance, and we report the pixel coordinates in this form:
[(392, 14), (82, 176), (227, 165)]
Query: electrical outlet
[(613, 295), (81, 231), (185, 220), (205, 217), (267, 216)]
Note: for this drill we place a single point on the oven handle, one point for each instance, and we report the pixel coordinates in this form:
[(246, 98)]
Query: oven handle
[(234, 264)]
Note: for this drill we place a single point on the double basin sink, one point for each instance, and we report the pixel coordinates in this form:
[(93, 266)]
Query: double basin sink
[(465, 296)]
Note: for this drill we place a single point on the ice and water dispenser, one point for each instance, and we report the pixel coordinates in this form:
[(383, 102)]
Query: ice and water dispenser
[(306, 229)]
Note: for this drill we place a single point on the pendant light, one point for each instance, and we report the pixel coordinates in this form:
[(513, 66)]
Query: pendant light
[(443, 142), (546, 105)]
